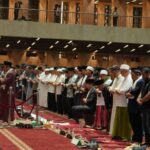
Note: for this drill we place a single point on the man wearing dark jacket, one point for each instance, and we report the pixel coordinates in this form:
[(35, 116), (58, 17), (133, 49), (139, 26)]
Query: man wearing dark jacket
[(133, 107), (89, 103)]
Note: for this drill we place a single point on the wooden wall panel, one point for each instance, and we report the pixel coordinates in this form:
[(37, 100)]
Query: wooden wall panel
[(52, 59)]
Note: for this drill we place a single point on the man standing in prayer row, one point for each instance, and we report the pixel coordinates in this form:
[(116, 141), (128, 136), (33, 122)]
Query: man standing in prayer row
[(5, 84)]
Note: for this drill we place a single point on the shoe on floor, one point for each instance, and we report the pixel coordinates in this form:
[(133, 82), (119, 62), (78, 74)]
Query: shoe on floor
[(139, 148)]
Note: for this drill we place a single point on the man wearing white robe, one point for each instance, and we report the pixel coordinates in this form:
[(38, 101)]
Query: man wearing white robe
[(116, 98), (51, 91), (45, 87), (121, 127)]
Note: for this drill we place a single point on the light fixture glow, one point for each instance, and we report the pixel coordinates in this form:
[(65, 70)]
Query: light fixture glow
[(18, 41), (95, 51), (74, 49), (89, 45), (118, 50), (56, 42), (126, 46), (33, 43), (51, 47), (28, 48), (8, 45), (66, 46), (69, 42), (132, 50), (141, 46), (148, 51), (102, 47), (109, 43), (37, 39)]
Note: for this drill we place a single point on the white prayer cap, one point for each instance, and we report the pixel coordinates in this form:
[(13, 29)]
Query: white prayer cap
[(90, 68), (52, 69), (47, 69), (76, 68), (105, 72), (125, 67), (59, 70)]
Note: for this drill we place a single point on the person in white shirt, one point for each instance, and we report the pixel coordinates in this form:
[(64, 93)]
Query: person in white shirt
[(45, 81), (72, 78), (51, 91), (121, 126), (79, 86), (59, 88), (101, 111)]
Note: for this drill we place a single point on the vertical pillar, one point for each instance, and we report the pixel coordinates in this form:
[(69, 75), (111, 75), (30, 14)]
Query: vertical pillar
[(121, 7), (146, 13), (87, 8), (129, 20), (11, 11), (72, 11), (42, 10), (101, 9)]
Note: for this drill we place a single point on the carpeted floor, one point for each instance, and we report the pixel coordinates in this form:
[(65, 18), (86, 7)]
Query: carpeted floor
[(40, 139), (88, 133), (5, 144)]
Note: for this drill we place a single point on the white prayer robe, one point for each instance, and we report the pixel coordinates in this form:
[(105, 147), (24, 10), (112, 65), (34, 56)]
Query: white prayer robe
[(116, 98), (43, 101), (40, 87)]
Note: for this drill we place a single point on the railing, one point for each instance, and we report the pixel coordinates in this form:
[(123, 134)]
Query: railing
[(65, 17)]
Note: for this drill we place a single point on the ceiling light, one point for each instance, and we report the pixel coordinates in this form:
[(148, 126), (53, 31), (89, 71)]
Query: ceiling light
[(69, 42), (140, 3), (148, 51), (118, 50), (66, 46), (127, 2), (89, 45), (109, 43), (132, 50), (95, 51), (18, 41), (33, 43), (56, 42), (102, 47), (51, 47), (37, 39), (96, 1), (8, 45), (133, 0), (34, 52), (140, 46), (28, 48), (74, 49), (126, 46)]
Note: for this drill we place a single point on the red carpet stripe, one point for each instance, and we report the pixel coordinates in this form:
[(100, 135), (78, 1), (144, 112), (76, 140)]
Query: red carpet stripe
[(5, 144), (40, 139)]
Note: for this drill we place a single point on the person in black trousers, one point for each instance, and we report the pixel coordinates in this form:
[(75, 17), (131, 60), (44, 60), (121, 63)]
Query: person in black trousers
[(144, 101), (115, 17), (133, 107)]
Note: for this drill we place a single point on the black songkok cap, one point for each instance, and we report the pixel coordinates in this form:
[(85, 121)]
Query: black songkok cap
[(99, 82), (70, 69), (90, 81), (7, 63)]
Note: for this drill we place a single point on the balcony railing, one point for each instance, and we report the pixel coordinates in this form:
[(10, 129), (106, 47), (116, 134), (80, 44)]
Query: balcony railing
[(66, 17)]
